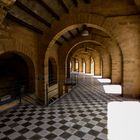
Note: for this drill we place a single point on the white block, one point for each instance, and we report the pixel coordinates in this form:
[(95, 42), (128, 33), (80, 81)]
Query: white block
[(123, 120)]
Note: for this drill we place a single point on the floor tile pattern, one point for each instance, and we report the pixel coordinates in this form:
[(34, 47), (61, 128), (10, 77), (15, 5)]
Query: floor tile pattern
[(79, 115)]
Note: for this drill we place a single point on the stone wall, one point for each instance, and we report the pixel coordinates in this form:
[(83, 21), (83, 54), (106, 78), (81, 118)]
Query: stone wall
[(127, 33), (19, 40)]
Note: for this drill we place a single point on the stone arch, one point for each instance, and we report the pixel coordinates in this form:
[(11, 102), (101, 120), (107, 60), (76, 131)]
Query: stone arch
[(78, 47), (115, 55), (55, 32), (93, 52), (24, 49), (18, 70), (18, 47), (66, 24), (104, 53), (71, 27), (93, 21), (80, 64)]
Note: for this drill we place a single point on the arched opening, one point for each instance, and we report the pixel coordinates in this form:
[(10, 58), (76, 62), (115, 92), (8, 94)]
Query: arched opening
[(52, 70), (15, 75), (92, 51)]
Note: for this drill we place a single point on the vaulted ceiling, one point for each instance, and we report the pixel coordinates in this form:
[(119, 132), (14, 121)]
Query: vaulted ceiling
[(38, 15)]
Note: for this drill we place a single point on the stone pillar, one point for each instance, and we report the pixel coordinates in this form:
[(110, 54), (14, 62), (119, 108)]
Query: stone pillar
[(97, 65), (61, 78), (61, 74), (106, 66), (131, 62), (68, 69), (80, 65), (128, 36), (88, 65), (74, 64), (92, 66)]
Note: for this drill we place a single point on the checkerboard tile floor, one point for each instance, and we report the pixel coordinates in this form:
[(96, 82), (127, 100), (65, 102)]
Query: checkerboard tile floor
[(79, 115)]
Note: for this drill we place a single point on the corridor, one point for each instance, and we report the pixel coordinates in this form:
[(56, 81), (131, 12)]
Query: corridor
[(79, 115), (43, 42)]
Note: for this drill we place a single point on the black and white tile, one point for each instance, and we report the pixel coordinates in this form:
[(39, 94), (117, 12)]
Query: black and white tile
[(79, 115)]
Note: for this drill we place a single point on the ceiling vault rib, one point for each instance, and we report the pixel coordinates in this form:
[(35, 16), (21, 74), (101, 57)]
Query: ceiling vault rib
[(62, 3), (64, 38), (30, 12), (23, 23), (49, 9), (75, 2)]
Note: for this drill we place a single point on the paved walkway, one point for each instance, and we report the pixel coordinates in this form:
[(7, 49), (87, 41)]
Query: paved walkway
[(79, 115)]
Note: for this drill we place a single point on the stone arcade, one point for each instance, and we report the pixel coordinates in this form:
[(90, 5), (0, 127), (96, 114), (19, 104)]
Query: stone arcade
[(49, 46)]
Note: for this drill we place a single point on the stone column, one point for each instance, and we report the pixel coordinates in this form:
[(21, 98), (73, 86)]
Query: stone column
[(128, 36), (97, 65), (106, 66), (74, 64), (131, 61), (88, 65), (80, 65)]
